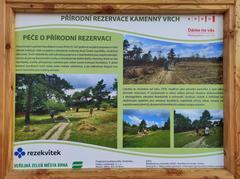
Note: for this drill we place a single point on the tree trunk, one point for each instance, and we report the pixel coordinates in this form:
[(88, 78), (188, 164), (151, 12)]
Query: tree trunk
[(28, 102), (77, 109)]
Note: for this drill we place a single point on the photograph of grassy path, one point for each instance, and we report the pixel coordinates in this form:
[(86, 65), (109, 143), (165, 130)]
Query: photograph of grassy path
[(71, 107), (146, 128), (149, 61), (198, 128)]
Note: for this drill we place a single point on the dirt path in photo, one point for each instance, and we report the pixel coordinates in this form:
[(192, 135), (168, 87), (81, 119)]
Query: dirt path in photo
[(55, 132), (166, 77), (50, 131), (59, 131), (68, 133), (200, 143), (163, 77), (158, 77)]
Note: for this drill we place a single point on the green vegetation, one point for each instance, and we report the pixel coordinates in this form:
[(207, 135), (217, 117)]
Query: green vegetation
[(33, 90), (183, 138), (160, 138), (40, 124), (54, 107), (45, 94), (215, 139), (183, 123), (44, 110), (144, 137), (101, 129), (105, 106), (188, 139), (202, 132)]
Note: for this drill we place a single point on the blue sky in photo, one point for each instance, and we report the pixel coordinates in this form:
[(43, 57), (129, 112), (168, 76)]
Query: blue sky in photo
[(82, 81), (181, 49), (194, 114), (151, 116)]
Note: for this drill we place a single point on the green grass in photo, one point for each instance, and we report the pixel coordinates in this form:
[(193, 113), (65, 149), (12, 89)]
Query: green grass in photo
[(155, 139), (101, 129), (216, 138), (183, 138), (191, 140), (40, 124)]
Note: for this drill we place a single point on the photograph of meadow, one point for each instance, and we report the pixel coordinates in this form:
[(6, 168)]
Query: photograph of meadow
[(146, 128), (70, 107), (150, 61), (196, 128)]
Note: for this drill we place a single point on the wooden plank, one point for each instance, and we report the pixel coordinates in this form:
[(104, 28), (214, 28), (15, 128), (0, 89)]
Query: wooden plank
[(228, 69), (130, 2), (2, 86), (237, 101), (237, 87), (237, 10), (125, 173), (119, 9), (9, 89)]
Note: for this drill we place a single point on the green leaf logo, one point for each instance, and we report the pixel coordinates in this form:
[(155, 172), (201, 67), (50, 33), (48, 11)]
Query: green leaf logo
[(77, 164)]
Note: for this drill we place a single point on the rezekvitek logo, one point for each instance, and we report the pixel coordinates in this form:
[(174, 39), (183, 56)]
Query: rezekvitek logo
[(19, 152)]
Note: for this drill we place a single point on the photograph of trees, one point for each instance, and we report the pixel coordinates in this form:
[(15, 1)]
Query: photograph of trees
[(72, 107), (150, 61), (145, 128), (197, 128)]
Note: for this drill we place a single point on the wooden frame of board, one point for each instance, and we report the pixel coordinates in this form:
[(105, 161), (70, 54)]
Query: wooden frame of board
[(231, 12)]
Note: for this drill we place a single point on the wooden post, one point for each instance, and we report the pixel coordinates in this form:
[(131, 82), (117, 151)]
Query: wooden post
[(2, 84), (237, 87), (229, 83)]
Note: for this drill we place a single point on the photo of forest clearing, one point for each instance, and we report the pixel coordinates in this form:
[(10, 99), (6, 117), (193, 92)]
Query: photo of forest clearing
[(71, 107), (198, 128), (148, 61), (146, 128)]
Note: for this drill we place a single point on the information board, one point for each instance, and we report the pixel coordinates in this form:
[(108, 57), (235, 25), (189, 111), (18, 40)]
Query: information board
[(118, 91)]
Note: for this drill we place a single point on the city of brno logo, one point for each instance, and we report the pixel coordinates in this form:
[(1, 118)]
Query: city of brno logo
[(19, 152)]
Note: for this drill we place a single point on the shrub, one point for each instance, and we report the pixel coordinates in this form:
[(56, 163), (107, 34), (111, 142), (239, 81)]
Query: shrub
[(105, 106), (54, 107)]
